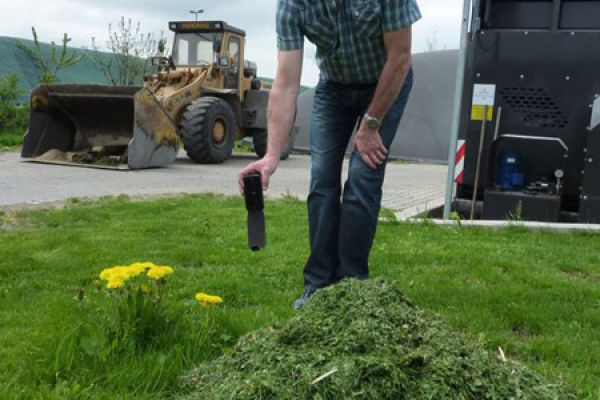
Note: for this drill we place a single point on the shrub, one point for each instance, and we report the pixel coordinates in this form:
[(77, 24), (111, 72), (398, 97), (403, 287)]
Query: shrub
[(13, 118), (9, 89)]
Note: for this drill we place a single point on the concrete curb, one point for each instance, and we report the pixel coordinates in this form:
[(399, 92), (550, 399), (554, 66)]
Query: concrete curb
[(499, 225), (419, 209)]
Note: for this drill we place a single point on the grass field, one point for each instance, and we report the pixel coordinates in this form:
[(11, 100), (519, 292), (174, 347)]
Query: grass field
[(13, 140), (536, 295)]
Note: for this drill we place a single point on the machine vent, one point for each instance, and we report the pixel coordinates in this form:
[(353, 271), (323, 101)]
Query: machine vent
[(536, 106)]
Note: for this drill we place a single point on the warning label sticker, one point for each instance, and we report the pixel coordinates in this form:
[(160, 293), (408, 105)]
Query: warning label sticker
[(484, 95), (477, 113)]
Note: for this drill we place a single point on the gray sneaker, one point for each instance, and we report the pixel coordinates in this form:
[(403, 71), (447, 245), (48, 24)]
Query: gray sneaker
[(299, 303)]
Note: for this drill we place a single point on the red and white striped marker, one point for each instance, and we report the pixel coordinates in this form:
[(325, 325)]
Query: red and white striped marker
[(459, 168)]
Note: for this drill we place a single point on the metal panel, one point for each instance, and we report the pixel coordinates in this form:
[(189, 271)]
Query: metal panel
[(254, 109), (519, 205), (580, 14), (528, 14), (590, 196), (546, 81)]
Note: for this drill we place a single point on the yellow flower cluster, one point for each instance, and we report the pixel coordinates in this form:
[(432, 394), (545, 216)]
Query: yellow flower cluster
[(116, 277), (206, 299), (159, 272)]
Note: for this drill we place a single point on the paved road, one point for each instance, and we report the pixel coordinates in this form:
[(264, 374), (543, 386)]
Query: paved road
[(408, 187)]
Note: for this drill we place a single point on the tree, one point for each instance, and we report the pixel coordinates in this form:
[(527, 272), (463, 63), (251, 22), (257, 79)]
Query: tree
[(9, 89), (49, 65), (11, 116), (129, 49)]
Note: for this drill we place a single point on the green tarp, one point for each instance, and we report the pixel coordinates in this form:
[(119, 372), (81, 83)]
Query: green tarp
[(14, 60)]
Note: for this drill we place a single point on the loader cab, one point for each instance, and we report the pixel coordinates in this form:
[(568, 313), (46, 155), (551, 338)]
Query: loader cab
[(203, 43), (196, 49)]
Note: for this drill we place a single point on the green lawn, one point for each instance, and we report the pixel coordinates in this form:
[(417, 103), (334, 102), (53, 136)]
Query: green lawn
[(12, 140), (536, 295)]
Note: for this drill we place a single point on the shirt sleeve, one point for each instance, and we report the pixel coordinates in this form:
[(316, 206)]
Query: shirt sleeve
[(398, 14), (289, 26)]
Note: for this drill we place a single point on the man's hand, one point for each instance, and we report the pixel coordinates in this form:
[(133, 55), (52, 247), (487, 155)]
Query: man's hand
[(368, 141), (282, 108), (266, 167), (369, 145)]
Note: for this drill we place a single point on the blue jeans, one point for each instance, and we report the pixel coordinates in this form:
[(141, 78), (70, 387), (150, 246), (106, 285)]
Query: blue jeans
[(341, 233)]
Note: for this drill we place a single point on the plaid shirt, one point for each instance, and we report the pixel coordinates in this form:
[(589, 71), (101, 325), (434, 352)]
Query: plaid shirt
[(348, 33)]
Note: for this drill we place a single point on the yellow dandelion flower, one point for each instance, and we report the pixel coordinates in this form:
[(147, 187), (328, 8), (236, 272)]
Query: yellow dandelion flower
[(108, 273), (115, 283), (135, 270), (121, 273), (143, 265), (207, 299), (159, 272)]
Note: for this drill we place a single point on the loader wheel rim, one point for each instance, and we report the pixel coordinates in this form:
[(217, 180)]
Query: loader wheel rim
[(219, 132)]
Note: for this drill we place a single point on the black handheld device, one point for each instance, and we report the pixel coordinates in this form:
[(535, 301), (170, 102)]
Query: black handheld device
[(255, 205)]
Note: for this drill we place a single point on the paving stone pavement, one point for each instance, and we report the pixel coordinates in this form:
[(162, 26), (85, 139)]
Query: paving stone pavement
[(409, 188)]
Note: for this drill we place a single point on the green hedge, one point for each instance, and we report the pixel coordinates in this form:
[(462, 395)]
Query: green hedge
[(13, 119)]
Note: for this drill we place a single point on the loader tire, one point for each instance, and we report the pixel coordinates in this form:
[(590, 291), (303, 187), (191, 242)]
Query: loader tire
[(259, 144), (208, 130)]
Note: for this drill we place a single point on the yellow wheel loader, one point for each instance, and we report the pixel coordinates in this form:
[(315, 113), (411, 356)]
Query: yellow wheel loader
[(205, 94)]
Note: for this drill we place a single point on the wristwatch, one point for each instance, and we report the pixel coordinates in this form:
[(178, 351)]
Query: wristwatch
[(372, 122)]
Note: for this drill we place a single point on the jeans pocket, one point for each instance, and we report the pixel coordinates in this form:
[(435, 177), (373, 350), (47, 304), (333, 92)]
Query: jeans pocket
[(366, 18)]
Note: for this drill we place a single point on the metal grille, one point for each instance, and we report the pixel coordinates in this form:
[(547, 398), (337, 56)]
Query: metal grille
[(537, 108)]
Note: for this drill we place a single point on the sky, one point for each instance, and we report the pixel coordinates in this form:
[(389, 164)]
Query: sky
[(84, 19)]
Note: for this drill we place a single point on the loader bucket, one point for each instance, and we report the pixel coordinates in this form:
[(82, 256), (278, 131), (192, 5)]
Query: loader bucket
[(99, 126)]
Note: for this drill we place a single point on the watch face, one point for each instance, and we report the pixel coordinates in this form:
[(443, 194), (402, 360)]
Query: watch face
[(372, 123)]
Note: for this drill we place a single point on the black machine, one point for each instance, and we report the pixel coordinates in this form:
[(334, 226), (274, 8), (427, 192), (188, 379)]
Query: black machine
[(253, 194), (540, 158)]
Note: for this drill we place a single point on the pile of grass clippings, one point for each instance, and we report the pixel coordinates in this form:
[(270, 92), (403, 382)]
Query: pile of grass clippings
[(365, 340)]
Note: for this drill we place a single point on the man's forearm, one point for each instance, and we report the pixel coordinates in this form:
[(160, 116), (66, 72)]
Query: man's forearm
[(390, 83), (281, 113)]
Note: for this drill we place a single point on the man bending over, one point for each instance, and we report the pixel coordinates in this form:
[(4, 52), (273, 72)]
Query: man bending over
[(364, 58)]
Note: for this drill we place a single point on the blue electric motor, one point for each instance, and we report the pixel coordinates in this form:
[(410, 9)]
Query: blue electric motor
[(510, 171)]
